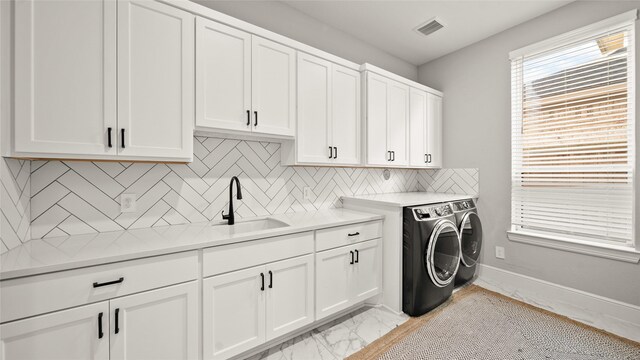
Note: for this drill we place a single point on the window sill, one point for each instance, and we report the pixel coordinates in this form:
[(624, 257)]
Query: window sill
[(614, 252)]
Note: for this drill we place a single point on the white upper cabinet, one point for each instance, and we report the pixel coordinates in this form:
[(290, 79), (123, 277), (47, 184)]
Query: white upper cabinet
[(223, 77), (345, 115), (71, 102), (155, 80), (387, 106), (65, 77), (434, 130)]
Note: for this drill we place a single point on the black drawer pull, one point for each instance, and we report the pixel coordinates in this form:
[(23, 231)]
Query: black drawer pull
[(354, 234), (109, 137), (96, 284), (117, 330), (357, 256), (100, 333), (262, 276), (270, 279), (351, 263)]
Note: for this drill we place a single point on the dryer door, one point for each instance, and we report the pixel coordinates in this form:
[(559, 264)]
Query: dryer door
[(442, 257), (470, 238)]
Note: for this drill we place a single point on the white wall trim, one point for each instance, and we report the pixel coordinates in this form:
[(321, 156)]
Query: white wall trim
[(598, 311), (614, 252)]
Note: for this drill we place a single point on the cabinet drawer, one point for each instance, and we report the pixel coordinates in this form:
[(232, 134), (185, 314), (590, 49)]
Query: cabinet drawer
[(227, 258), (34, 295), (348, 234)]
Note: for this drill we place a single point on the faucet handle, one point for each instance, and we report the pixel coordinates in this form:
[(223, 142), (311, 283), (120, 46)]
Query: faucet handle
[(224, 217)]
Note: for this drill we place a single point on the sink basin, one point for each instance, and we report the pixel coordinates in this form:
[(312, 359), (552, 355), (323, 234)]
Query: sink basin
[(248, 226)]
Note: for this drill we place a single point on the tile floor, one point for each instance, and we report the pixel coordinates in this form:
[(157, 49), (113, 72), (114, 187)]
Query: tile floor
[(337, 339)]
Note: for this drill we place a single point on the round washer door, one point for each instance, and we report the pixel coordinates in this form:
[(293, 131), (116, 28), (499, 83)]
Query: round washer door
[(470, 238), (442, 257)]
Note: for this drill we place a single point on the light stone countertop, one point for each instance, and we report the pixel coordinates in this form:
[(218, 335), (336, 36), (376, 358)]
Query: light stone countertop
[(41, 256), (405, 198)]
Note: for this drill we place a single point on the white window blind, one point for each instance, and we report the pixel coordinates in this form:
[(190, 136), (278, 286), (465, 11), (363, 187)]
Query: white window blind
[(573, 135)]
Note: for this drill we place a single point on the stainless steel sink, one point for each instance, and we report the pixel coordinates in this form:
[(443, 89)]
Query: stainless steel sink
[(248, 226)]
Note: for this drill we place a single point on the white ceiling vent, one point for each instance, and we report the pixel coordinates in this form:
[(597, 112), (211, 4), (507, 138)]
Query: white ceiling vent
[(430, 26)]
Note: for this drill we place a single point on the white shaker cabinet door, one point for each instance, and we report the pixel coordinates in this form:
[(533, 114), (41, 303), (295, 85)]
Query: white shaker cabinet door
[(434, 130), (155, 80), (345, 115), (334, 273), (273, 87), (367, 280), (65, 77), (73, 334), (418, 128), (314, 110), (289, 295), (397, 122), (157, 324), (223, 77), (377, 106), (233, 312)]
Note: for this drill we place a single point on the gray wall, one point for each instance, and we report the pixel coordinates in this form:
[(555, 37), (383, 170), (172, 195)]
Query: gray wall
[(285, 20), (476, 84)]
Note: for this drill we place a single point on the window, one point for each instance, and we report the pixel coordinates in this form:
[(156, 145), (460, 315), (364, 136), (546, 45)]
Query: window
[(573, 135)]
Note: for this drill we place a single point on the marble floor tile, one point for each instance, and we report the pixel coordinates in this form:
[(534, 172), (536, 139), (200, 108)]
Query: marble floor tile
[(374, 323), (303, 347)]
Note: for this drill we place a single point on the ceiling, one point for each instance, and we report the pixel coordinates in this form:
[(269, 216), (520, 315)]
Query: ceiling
[(390, 25)]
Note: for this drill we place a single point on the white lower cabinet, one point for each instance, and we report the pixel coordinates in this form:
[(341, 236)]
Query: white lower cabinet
[(79, 333), (157, 324), (245, 308), (346, 276)]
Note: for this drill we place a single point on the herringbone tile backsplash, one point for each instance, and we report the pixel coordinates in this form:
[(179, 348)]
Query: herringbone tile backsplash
[(73, 197)]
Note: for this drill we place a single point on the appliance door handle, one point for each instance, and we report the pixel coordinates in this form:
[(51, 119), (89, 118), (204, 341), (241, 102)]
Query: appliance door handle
[(97, 284), (122, 138), (330, 152), (117, 330), (270, 280), (357, 256), (352, 259), (262, 277), (248, 117), (335, 149), (100, 333), (109, 143), (255, 120)]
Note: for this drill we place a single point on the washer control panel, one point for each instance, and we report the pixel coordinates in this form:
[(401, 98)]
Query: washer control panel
[(463, 205), (432, 211)]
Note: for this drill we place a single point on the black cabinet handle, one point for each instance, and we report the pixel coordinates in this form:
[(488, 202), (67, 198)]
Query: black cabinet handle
[(389, 155), (262, 276), (270, 279), (100, 333), (95, 284), (109, 137), (248, 117), (393, 153), (255, 120), (351, 263), (330, 152), (354, 234), (122, 138), (425, 158), (335, 149), (429, 158), (117, 330), (357, 256)]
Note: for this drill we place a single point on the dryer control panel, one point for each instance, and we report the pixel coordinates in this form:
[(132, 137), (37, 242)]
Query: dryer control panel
[(463, 205), (432, 211)]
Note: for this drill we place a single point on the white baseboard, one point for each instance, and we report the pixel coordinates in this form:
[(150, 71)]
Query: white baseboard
[(600, 312)]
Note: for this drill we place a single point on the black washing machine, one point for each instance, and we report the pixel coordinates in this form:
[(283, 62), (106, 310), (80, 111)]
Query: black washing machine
[(430, 257), (470, 229)]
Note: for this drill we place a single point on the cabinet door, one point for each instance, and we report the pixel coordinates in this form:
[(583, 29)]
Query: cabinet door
[(289, 295), (333, 281), (345, 114), (273, 94), (233, 311), (377, 120), (397, 122), (157, 324), (68, 334), (314, 110), (434, 130), (223, 76), (155, 80), (418, 128), (65, 76), (367, 279)]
